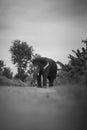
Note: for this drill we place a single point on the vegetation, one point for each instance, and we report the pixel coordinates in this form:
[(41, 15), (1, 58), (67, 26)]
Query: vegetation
[(1, 66), (21, 55), (5, 71), (76, 69)]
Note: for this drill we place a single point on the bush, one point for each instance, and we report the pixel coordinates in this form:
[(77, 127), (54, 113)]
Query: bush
[(77, 72), (22, 76), (11, 82), (7, 73)]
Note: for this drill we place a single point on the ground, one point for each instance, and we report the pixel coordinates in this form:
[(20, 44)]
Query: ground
[(32, 108)]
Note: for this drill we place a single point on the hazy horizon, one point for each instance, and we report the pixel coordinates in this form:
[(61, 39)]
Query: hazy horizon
[(52, 27)]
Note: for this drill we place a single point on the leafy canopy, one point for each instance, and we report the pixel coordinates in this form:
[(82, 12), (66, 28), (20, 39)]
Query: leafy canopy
[(21, 53)]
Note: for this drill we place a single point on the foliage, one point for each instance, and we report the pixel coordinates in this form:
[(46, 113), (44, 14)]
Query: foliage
[(21, 75), (78, 63), (76, 70), (31, 67), (7, 73), (4, 81), (21, 53), (1, 65), (36, 56)]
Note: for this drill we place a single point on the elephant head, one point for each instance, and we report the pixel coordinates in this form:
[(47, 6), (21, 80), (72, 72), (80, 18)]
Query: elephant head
[(45, 68)]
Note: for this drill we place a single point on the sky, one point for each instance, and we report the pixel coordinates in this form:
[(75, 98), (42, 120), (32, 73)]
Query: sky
[(52, 27)]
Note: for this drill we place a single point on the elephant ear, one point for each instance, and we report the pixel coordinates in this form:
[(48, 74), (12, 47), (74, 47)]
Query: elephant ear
[(46, 66)]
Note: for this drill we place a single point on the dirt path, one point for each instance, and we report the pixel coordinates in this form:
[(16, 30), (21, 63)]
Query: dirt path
[(42, 109)]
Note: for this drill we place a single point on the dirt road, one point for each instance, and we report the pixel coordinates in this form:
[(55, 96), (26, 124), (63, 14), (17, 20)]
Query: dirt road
[(58, 108)]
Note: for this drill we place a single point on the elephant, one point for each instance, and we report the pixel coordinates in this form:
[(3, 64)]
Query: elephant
[(45, 68)]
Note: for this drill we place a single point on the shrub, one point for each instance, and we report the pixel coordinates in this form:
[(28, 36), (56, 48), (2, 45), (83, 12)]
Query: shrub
[(77, 72), (7, 73)]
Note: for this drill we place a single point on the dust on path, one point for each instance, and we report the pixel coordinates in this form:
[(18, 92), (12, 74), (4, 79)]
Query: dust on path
[(27, 108)]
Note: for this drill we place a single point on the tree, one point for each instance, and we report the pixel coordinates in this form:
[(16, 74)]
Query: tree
[(77, 65), (7, 72), (21, 55), (36, 55), (22, 75), (2, 65)]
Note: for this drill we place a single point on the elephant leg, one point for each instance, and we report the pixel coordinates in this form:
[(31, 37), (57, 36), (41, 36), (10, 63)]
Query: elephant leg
[(39, 80), (44, 81), (50, 82), (45, 76)]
